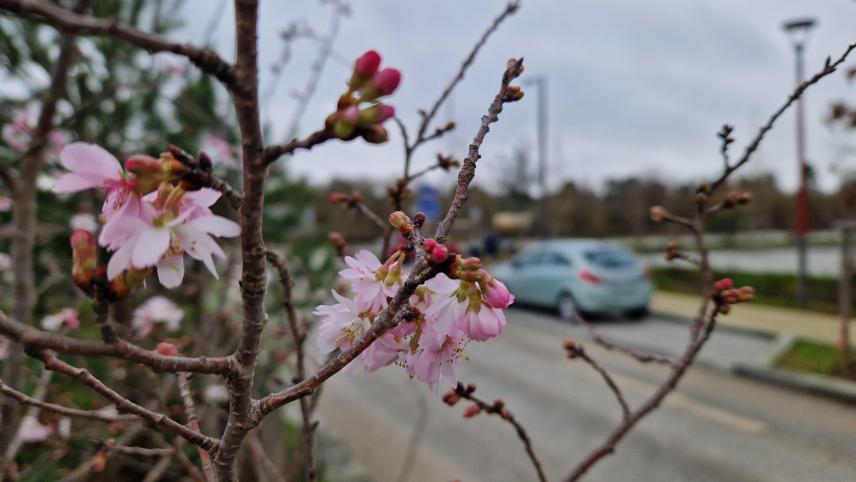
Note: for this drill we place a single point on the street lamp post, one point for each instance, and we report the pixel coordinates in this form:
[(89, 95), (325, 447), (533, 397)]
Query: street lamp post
[(540, 82), (798, 31)]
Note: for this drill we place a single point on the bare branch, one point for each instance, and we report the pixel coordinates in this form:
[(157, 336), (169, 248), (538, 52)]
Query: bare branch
[(610, 345), (51, 362), (38, 339), (66, 20), (426, 120), (575, 350), (507, 93), (496, 408), (25, 399), (275, 151), (829, 68), (183, 380)]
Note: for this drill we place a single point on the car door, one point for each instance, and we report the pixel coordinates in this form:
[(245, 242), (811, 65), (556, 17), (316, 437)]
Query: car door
[(525, 271), (551, 278)]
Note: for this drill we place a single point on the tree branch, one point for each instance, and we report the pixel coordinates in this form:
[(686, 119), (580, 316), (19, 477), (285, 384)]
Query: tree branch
[(66, 20), (275, 151), (496, 408), (507, 93), (51, 362), (38, 339), (25, 399)]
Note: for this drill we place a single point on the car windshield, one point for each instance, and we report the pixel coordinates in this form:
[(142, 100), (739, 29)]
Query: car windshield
[(610, 258)]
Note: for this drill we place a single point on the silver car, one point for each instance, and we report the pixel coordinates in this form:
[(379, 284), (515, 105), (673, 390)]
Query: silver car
[(584, 275)]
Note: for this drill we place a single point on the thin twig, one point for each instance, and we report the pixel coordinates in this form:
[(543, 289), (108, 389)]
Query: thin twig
[(275, 151), (25, 399), (34, 338), (67, 20), (183, 380), (610, 345), (468, 170), (497, 408), (575, 350), (51, 362)]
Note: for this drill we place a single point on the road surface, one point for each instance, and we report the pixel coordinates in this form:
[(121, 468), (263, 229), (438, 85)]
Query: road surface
[(717, 427)]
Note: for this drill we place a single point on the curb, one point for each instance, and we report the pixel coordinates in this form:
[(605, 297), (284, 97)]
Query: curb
[(740, 330), (828, 387)]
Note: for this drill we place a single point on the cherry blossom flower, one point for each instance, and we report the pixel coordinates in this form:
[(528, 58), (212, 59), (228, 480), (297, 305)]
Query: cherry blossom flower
[(437, 359), (160, 238), (18, 134), (157, 309), (5, 204), (64, 427), (31, 430), (90, 166), (372, 282), (496, 294), (65, 317), (341, 324)]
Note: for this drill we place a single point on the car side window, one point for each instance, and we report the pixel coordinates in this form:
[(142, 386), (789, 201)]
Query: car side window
[(528, 259), (556, 259)]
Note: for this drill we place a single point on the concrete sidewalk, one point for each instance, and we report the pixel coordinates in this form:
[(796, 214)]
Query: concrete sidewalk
[(759, 318)]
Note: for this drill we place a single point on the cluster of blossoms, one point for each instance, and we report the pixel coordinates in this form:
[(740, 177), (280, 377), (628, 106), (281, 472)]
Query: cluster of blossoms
[(359, 113), (156, 310), (67, 317), (725, 294), (445, 313), (152, 217), (18, 134)]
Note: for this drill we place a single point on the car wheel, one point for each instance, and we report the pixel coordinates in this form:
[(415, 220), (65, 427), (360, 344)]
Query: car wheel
[(637, 313), (567, 307)]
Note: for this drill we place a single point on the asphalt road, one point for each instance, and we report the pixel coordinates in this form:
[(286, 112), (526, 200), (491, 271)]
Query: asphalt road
[(717, 427)]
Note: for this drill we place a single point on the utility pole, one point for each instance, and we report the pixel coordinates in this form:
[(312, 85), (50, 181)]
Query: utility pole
[(540, 83), (798, 31)]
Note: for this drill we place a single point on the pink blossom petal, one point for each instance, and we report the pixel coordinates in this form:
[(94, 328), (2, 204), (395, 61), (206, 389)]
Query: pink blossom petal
[(171, 271), (217, 225), (84, 158), (205, 197), (120, 261), (151, 244), (75, 182)]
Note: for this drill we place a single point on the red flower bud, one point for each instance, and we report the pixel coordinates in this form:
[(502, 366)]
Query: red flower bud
[(337, 197), (723, 284), (386, 81), (84, 258), (367, 64), (472, 411), (439, 254), (167, 349), (141, 164), (429, 244)]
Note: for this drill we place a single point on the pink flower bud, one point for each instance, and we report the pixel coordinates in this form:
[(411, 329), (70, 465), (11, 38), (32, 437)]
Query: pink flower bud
[(439, 254), (429, 244), (497, 295), (167, 349), (141, 165), (84, 258), (367, 64), (400, 221), (376, 114), (387, 80), (723, 284), (472, 411), (346, 121)]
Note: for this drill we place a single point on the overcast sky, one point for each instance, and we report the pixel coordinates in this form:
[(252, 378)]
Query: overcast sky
[(635, 88)]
